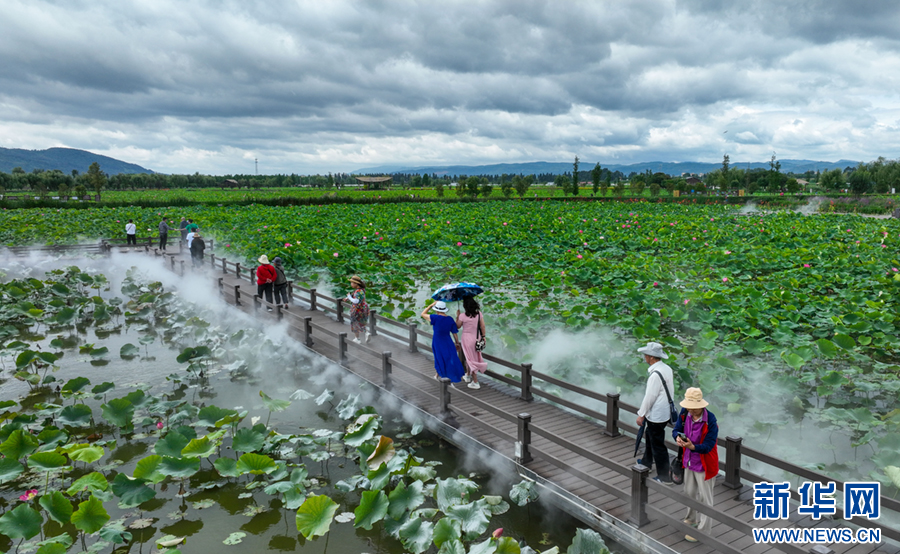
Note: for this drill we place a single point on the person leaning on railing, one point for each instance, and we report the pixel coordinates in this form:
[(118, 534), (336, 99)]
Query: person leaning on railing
[(696, 431)]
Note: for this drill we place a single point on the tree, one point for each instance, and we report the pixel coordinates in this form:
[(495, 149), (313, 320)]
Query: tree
[(725, 178), (775, 181), (620, 188), (637, 187), (832, 180), (522, 184), (506, 186), (562, 181), (793, 186), (860, 181), (654, 189), (472, 184), (574, 187), (439, 188), (486, 187), (596, 173), (604, 188)]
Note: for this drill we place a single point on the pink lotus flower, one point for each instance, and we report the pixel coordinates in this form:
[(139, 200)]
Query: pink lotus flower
[(496, 534), (685, 301), (728, 251), (364, 238), (335, 254), (579, 256), (227, 245), (724, 279), (894, 269), (458, 244), (805, 265), (376, 232), (655, 284), (580, 231), (159, 424), (29, 494), (504, 223), (287, 245)]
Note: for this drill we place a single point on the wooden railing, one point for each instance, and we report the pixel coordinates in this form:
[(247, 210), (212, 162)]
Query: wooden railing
[(409, 335)]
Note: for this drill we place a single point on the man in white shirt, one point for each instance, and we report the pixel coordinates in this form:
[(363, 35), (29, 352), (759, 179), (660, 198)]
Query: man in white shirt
[(654, 410), (131, 233)]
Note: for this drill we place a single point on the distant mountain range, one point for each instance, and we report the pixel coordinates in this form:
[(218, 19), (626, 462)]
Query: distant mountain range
[(63, 159), (669, 168)]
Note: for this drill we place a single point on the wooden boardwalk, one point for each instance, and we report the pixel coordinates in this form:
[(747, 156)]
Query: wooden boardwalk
[(564, 445)]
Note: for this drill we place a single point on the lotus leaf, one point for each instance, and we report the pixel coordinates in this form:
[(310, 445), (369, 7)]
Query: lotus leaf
[(10, 469), (257, 464), (46, 461), (405, 498), (227, 467), (90, 516), (447, 529), (314, 516), (115, 532), (416, 535), (93, 482), (587, 541), (119, 412), (373, 506), (76, 415), (248, 440), (171, 445), (147, 469), (199, 448), (19, 444), (178, 467), (473, 517), (21, 523), (450, 492)]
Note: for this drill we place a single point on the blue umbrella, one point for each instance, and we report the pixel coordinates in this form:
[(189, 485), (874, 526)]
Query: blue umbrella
[(456, 292)]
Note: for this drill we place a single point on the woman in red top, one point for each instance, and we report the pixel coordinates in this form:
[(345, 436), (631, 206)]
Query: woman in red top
[(265, 279)]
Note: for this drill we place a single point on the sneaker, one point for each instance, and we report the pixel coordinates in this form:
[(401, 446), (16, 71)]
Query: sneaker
[(356, 341), (268, 309), (368, 338), (666, 482), (474, 386), (690, 538), (467, 378)]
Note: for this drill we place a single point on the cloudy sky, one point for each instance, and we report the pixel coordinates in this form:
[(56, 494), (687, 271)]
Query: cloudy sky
[(306, 87)]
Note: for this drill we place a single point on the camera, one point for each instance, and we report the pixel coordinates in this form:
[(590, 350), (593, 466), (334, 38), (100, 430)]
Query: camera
[(682, 436)]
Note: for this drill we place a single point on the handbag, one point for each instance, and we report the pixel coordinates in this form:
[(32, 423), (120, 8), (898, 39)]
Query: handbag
[(676, 468), (673, 415), (480, 341)]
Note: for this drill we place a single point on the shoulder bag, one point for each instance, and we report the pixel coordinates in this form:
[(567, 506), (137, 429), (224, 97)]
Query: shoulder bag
[(673, 415), (480, 341)]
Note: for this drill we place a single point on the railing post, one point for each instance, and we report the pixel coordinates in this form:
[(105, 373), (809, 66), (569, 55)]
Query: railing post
[(257, 302), (339, 309), (251, 272), (526, 383), (386, 370), (290, 290), (445, 396), (413, 337), (147, 248), (307, 331), (221, 284), (312, 300), (639, 475), (342, 347), (237, 295), (224, 266), (172, 259), (612, 415), (733, 462), (523, 452), (237, 270), (182, 267), (372, 320), (278, 312)]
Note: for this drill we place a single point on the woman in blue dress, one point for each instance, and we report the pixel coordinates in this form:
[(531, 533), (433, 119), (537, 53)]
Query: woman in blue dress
[(446, 360)]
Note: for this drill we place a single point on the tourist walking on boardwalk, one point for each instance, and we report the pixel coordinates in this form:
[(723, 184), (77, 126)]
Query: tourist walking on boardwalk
[(655, 410), (359, 309), (197, 248), (281, 284), (696, 432), (265, 279), (163, 233), (183, 227), (472, 324), (192, 229), (130, 233), (446, 360)]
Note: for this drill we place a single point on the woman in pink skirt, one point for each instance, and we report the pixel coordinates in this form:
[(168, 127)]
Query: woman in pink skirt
[(472, 325)]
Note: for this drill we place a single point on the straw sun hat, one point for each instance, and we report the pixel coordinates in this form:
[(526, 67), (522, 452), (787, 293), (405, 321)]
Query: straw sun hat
[(693, 399)]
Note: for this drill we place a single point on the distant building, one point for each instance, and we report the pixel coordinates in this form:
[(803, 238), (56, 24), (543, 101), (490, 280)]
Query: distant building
[(375, 183), (692, 181)]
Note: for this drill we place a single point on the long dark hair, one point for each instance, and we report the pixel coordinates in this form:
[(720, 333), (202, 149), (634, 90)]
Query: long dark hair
[(471, 306)]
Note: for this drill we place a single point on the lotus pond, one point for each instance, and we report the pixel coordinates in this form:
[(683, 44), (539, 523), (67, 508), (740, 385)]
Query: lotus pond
[(787, 322), (131, 423)]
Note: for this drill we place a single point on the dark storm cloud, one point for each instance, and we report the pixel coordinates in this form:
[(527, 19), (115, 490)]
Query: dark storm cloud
[(323, 83)]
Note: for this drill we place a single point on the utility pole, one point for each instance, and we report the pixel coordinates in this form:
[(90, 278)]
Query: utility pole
[(256, 162)]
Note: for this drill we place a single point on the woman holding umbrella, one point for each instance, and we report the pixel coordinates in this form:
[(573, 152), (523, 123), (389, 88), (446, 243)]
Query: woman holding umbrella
[(472, 324), (446, 361)]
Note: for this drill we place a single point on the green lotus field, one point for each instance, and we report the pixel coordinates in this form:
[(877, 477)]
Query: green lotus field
[(793, 309)]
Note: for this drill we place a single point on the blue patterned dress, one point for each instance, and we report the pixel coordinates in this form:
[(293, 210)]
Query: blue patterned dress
[(446, 360)]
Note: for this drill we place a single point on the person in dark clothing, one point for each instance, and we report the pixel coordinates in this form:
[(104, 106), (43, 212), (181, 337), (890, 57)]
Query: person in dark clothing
[(163, 233), (197, 248), (265, 279), (183, 226), (130, 233), (281, 284)]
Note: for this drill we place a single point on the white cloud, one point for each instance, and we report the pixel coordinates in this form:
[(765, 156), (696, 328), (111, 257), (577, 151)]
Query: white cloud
[(331, 86)]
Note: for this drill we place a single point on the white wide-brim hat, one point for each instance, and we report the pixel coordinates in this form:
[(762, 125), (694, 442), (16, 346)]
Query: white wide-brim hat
[(263, 259), (440, 306), (654, 349)]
